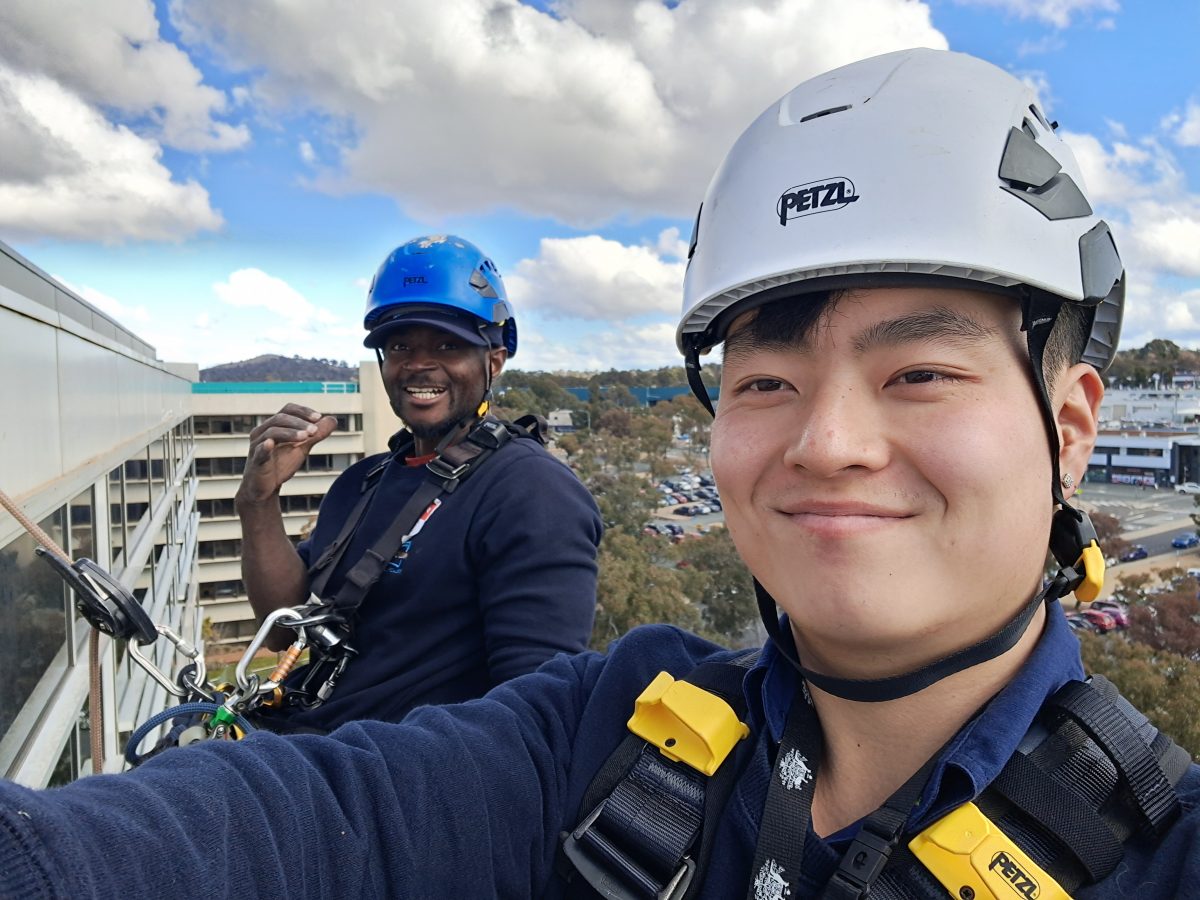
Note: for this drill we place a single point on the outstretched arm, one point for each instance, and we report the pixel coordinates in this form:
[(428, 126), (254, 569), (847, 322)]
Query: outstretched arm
[(461, 801)]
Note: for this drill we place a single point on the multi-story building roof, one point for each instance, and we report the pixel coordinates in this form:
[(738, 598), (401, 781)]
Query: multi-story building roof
[(96, 446)]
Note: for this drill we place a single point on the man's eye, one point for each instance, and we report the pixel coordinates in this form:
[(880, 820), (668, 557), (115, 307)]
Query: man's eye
[(922, 376), (764, 385)]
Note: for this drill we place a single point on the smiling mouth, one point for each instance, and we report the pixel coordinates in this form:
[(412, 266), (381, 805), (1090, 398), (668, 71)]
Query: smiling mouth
[(425, 393)]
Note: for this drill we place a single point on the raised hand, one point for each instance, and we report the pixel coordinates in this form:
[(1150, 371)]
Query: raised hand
[(278, 448)]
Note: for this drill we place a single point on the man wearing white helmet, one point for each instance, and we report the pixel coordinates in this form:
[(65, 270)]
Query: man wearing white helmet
[(914, 296)]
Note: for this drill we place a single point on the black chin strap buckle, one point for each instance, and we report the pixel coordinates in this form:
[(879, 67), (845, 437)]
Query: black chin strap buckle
[(861, 866), (1074, 544)]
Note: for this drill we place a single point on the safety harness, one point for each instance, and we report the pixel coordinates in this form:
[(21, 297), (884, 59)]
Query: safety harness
[(1091, 774), (445, 473)]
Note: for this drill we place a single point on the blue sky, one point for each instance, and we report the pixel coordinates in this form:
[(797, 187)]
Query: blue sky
[(224, 177)]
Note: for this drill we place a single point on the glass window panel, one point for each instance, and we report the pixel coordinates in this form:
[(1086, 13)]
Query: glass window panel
[(116, 517), (83, 526), (33, 607)]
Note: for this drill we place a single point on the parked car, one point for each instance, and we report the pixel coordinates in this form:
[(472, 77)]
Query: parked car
[(1118, 611), (1185, 540), (1187, 487), (1079, 622), (1100, 618), (1137, 551)]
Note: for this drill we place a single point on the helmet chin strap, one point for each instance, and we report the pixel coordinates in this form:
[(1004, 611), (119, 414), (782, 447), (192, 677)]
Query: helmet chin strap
[(463, 425)]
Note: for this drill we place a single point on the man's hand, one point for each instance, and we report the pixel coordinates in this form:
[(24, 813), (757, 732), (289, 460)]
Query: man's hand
[(278, 448)]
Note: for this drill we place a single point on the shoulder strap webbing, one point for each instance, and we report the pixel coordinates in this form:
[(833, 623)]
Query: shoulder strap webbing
[(647, 822), (322, 568), (446, 472), (1092, 775)]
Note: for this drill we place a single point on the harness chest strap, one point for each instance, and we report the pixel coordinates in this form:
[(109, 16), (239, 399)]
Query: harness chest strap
[(446, 472), (1091, 774)]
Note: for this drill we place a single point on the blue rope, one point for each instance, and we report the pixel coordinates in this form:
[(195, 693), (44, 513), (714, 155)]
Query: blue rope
[(184, 709)]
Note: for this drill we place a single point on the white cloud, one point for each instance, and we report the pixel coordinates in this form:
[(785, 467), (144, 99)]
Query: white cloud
[(255, 288), (1184, 127), (614, 346), (601, 109), (67, 172), (1050, 43), (111, 55), (1053, 12), (593, 277), (111, 306), (669, 243), (1142, 188), (307, 153)]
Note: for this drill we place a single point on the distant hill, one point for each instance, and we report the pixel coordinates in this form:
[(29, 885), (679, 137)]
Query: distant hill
[(281, 368)]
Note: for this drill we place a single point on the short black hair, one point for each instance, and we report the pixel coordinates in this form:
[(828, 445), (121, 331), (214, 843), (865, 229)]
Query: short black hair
[(1068, 339), (790, 321)]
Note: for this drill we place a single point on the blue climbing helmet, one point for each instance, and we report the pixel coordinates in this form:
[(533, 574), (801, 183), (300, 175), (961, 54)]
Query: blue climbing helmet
[(443, 281)]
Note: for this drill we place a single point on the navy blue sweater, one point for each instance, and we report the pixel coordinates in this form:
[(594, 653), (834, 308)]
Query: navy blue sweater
[(458, 801), (500, 578)]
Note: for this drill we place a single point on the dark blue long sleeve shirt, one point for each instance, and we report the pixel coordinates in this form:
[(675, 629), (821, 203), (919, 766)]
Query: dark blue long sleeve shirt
[(469, 800), (500, 578)]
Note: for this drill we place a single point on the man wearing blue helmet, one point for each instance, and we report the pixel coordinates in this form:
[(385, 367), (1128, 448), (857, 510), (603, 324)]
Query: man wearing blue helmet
[(475, 579)]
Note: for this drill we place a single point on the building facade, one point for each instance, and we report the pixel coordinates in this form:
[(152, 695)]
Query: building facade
[(96, 446), (225, 414)]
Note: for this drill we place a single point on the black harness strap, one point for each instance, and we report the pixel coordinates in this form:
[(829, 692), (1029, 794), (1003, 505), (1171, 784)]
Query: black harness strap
[(446, 472), (648, 822), (320, 570), (1107, 726), (1065, 798)]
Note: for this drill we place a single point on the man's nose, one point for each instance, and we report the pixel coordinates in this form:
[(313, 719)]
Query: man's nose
[(839, 428)]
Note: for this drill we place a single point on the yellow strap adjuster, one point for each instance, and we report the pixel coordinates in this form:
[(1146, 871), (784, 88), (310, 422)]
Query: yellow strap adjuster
[(1091, 564), (971, 856), (687, 724)]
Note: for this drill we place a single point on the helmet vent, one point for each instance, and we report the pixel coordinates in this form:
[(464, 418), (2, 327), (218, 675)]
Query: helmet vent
[(481, 284), (825, 112), (1031, 173)]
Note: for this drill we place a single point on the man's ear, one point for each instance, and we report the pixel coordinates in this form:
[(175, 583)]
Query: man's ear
[(496, 360), (1077, 395)]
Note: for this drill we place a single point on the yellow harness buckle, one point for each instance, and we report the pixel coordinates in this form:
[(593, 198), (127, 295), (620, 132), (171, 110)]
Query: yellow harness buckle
[(686, 723), (1091, 563), (970, 856)]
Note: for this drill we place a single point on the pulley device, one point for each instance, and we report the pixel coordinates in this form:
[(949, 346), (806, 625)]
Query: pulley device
[(207, 710)]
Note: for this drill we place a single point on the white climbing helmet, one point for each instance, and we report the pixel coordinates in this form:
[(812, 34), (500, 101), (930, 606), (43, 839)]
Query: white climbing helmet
[(915, 164)]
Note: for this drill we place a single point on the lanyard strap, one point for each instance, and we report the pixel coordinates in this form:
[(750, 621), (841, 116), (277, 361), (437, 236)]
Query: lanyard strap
[(787, 814)]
